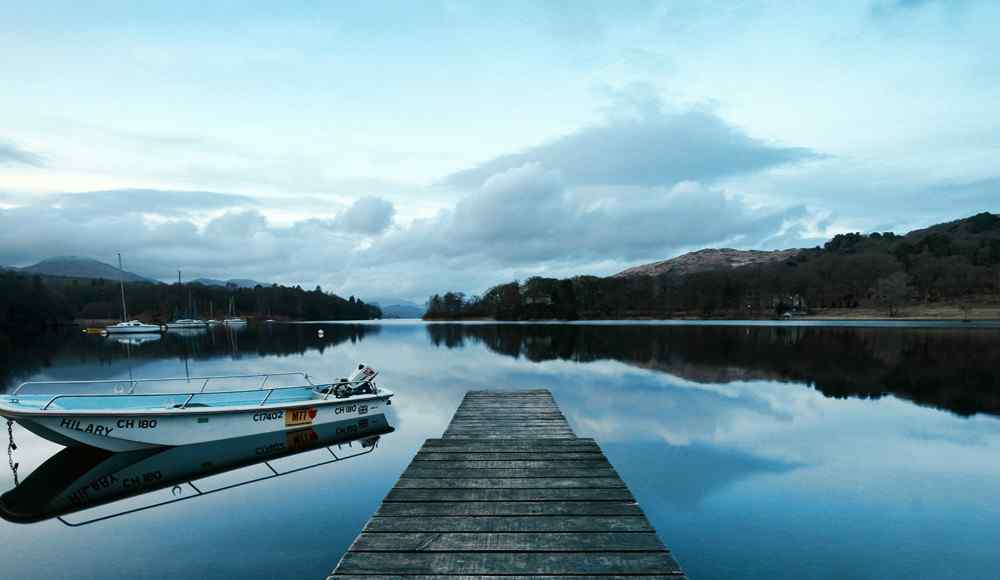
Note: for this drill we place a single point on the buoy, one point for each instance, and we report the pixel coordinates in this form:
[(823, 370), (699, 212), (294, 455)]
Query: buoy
[(319, 333)]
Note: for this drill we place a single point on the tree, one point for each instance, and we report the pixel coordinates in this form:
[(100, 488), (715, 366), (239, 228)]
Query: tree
[(893, 290)]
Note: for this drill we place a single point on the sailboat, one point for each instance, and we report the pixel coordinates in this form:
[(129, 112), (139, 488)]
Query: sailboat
[(233, 320), (129, 326), (186, 323)]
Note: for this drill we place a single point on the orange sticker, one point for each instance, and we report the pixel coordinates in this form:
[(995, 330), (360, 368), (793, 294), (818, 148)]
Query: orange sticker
[(295, 417)]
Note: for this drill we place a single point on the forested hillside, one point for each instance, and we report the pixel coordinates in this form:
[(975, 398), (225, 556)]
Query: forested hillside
[(955, 262), (33, 301)]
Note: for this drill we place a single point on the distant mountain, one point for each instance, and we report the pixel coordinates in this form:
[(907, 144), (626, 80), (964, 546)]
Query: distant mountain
[(708, 259), (79, 267), (235, 282), (398, 308), (402, 311)]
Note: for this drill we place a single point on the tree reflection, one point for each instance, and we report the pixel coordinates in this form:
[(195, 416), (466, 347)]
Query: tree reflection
[(952, 369)]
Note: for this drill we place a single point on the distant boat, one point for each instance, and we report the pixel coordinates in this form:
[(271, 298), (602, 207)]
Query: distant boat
[(132, 326), (186, 323), (233, 320)]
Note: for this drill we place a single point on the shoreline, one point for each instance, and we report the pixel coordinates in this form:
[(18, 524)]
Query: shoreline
[(944, 313)]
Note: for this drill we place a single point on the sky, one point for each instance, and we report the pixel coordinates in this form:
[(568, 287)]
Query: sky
[(401, 149)]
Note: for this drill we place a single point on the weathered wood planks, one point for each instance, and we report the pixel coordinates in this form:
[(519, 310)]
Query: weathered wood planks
[(508, 492)]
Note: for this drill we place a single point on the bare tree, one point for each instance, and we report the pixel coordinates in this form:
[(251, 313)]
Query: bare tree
[(893, 290)]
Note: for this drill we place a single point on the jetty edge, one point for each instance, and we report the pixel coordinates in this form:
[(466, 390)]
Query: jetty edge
[(509, 490)]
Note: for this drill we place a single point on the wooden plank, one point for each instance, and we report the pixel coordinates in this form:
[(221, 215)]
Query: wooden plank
[(523, 524), (512, 431), (515, 464), (507, 456), (507, 542), (510, 446), (526, 441), (597, 462), (417, 471), (509, 508), (511, 483), (505, 577), (508, 563), (550, 494)]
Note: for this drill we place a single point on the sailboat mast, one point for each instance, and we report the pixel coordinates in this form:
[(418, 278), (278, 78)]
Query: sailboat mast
[(121, 281)]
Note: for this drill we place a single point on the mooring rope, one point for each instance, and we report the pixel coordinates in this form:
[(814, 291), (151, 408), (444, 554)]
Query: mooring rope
[(11, 448)]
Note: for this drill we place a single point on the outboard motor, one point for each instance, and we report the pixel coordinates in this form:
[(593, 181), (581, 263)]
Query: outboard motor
[(364, 374), (361, 382)]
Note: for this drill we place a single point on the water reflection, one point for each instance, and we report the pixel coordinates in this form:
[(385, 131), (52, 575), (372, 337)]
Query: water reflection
[(953, 369), (739, 441), (82, 478)]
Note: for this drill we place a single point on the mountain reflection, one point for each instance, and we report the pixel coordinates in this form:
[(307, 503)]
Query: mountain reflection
[(952, 369)]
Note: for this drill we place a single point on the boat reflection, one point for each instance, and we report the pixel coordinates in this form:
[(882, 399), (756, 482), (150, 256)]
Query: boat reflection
[(83, 478), (137, 339)]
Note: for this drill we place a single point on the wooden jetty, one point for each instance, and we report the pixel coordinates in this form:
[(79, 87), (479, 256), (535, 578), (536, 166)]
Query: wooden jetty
[(510, 491)]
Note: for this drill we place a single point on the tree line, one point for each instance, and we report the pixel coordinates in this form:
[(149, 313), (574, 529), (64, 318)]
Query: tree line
[(956, 262), (31, 302)]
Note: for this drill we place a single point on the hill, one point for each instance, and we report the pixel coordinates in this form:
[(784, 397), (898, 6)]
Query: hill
[(708, 259), (402, 311), (80, 267), (232, 282), (399, 308), (954, 264)]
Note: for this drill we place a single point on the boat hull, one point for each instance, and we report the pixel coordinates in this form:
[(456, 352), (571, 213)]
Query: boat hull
[(169, 428), (144, 329)]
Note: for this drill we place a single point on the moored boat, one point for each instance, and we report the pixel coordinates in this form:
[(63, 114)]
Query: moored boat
[(130, 421), (186, 323), (127, 326), (133, 327)]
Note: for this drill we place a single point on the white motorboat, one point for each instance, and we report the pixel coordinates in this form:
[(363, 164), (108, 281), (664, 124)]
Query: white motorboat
[(133, 327), (130, 420)]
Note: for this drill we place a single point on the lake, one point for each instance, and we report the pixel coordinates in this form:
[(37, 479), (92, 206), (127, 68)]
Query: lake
[(794, 450)]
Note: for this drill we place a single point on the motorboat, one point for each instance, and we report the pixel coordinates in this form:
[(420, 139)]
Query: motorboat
[(133, 327), (186, 323), (78, 479), (130, 420)]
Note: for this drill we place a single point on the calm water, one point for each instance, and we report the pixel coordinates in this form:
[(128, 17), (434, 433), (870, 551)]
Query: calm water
[(756, 451)]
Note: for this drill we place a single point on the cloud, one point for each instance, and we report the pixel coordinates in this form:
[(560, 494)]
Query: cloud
[(11, 154), (650, 148), (367, 215), (169, 203), (528, 217)]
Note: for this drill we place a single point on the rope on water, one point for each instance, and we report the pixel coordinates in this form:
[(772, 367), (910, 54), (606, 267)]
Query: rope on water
[(11, 448)]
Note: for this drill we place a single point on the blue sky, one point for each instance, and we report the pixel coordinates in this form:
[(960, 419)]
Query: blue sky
[(408, 148)]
